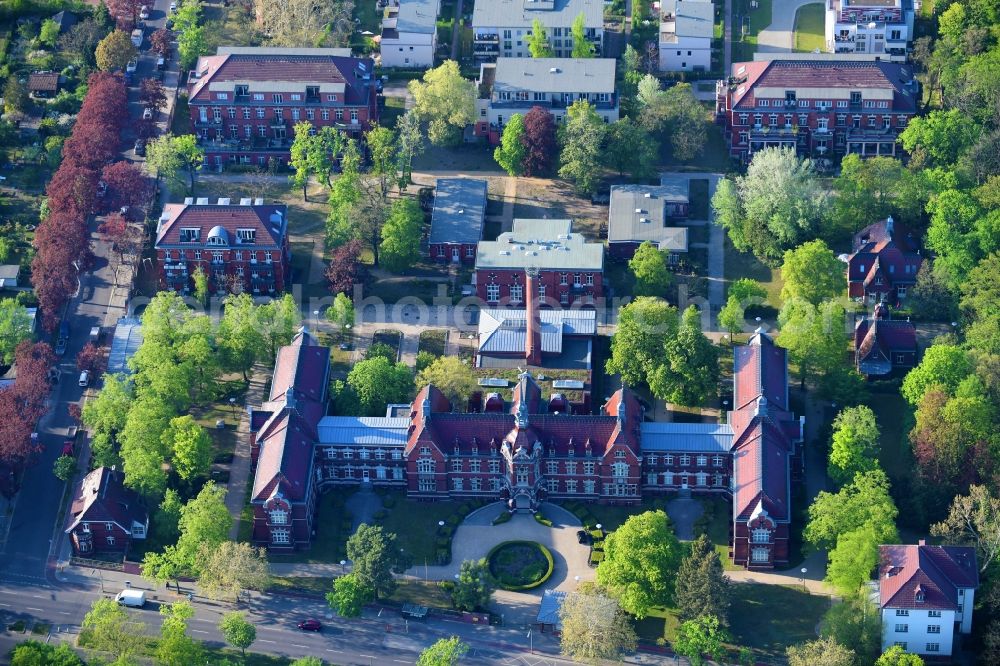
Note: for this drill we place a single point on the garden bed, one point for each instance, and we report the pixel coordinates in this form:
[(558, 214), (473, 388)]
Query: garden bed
[(520, 565), (433, 342)]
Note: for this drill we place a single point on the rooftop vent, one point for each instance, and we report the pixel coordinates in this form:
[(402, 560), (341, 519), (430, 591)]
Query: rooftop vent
[(246, 201), (648, 195), (638, 210), (224, 201), (188, 201), (258, 201), (202, 201), (554, 70)]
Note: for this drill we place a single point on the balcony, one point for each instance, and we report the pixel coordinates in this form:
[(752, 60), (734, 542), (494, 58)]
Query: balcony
[(208, 122), (481, 37), (843, 38), (277, 122)]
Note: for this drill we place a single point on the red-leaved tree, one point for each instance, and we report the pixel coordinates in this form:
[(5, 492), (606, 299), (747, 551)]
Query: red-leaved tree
[(152, 94), (159, 41), (345, 269), (539, 139), (91, 359), (31, 387), (127, 185), (126, 11)]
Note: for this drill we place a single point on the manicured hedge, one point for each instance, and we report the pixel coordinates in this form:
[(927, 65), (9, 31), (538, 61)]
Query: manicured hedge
[(546, 553), (504, 517)]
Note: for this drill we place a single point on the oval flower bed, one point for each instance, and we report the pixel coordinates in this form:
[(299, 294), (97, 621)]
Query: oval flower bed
[(520, 565)]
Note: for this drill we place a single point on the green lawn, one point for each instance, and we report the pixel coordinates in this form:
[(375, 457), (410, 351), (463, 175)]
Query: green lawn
[(809, 28), (421, 593), (415, 525), (744, 264), (715, 522), (895, 454), (433, 341), (760, 18), (698, 193), (760, 616), (332, 529)]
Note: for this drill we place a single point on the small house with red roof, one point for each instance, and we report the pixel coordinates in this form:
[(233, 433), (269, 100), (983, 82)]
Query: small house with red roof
[(240, 247), (883, 345), (246, 101), (105, 516), (926, 596), (884, 263)]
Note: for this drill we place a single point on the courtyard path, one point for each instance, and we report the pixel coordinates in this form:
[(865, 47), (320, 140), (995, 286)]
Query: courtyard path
[(779, 37), (239, 469)]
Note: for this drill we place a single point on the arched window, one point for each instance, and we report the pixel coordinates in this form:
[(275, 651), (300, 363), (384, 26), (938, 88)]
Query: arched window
[(761, 535), (759, 555)]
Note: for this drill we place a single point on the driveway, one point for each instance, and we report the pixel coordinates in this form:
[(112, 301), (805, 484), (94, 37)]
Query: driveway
[(779, 37)]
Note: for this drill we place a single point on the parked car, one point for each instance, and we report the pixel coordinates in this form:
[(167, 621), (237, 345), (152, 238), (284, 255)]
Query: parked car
[(310, 625), (161, 63), (173, 7), (84, 381), (144, 13), (137, 36), (140, 147), (147, 114), (69, 444), (102, 188), (60, 346), (131, 66)]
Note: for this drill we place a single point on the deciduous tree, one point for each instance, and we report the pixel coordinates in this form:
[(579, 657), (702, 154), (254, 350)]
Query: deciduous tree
[(445, 652), (581, 137), (64, 468), (644, 325), (400, 247), (853, 559), (345, 269), (127, 186), (91, 359), (230, 568), (940, 137), (190, 447), (511, 152), (15, 328), (341, 313), (815, 337), (451, 376), (896, 656), (855, 623), (640, 563), (381, 142), (687, 123), (345, 196), (824, 651), (152, 94), (111, 629), (349, 595), (173, 158), (237, 631), (942, 365), (689, 372), (81, 41), (813, 272), (773, 207), (373, 553), (873, 189), (115, 51), (35, 653), (447, 101), (854, 446), (159, 41), (582, 47), (409, 143), (699, 637), (175, 647), (377, 382), (630, 149), (594, 628), (539, 141), (298, 22), (649, 267), (865, 501), (538, 41), (974, 520)]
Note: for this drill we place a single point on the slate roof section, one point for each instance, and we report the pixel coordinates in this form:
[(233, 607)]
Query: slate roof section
[(555, 75), (303, 365), (659, 436), (521, 13), (935, 571), (876, 339), (278, 70), (269, 222), (688, 19), (417, 16), (363, 430), (824, 74), (459, 211), (503, 330), (625, 225), (102, 497), (885, 250), (761, 368), (543, 244)]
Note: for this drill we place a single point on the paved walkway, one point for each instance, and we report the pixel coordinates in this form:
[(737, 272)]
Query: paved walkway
[(362, 506), (239, 470), (779, 37), (683, 513)]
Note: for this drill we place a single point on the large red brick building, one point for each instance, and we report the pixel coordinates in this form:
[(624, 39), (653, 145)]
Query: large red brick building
[(522, 452), (568, 270), (246, 101), (240, 247), (821, 106)]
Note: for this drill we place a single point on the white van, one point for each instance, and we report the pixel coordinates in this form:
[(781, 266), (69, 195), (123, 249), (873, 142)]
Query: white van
[(137, 36), (131, 598), (84, 379)]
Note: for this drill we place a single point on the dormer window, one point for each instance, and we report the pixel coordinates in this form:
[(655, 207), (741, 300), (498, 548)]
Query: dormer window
[(246, 236), (190, 235), (919, 596), (242, 90)]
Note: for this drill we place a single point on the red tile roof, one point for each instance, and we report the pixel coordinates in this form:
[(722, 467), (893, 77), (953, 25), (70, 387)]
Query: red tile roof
[(315, 69), (760, 368), (936, 571), (876, 339), (102, 497), (884, 250), (792, 74), (269, 223), (43, 82), (303, 365)]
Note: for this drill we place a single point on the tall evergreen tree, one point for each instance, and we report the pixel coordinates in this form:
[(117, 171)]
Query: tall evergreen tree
[(702, 589)]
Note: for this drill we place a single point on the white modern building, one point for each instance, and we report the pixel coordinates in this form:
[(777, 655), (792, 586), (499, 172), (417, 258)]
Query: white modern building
[(877, 27), (686, 29), (409, 33), (500, 28), (926, 596), (515, 85)]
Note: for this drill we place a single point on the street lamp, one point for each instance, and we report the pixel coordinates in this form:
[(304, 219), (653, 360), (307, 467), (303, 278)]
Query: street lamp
[(803, 571), (531, 643), (343, 566), (440, 523), (316, 318), (232, 405)]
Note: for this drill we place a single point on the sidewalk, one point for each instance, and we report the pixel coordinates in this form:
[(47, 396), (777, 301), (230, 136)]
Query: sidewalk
[(239, 470)]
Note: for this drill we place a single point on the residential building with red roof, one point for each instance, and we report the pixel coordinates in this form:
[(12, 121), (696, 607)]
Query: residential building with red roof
[(246, 101), (926, 596), (821, 105), (882, 344), (525, 448), (884, 263), (105, 516), (240, 247)]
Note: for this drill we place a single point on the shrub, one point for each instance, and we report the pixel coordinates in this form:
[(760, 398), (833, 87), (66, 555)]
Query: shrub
[(596, 557), (542, 520), (520, 565), (389, 501), (443, 556)]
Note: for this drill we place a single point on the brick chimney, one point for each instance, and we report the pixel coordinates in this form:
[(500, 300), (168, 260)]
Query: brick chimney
[(533, 324)]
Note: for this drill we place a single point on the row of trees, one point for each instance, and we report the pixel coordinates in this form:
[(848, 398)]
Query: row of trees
[(23, 403), (540, 47), (61, 240)]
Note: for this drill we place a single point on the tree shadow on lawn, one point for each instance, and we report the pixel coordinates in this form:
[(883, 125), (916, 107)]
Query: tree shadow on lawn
[(759, 616)]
